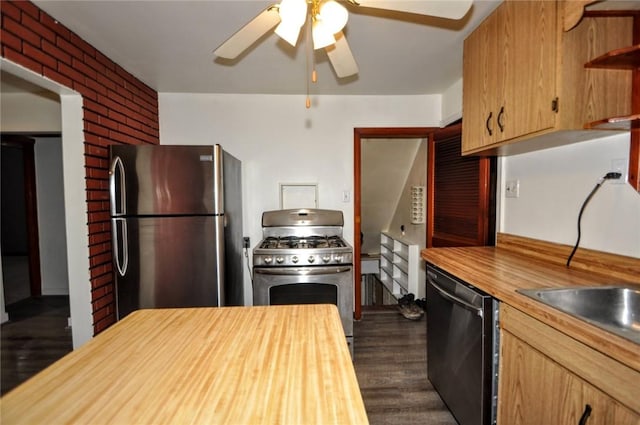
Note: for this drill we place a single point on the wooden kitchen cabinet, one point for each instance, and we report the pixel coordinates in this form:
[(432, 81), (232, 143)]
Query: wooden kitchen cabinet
[(524, 79), (533, 388), (480, 84), (547, 377), (626, 58)]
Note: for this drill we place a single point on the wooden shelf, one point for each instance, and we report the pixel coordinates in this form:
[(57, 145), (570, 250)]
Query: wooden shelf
[(624, 58), (614, 123)]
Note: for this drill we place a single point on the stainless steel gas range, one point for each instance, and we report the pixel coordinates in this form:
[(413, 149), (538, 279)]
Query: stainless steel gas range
[(303, 259)]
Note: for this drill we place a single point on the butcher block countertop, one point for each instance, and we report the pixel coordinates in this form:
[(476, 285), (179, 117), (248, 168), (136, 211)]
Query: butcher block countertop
[(516, 263), (231, 365)]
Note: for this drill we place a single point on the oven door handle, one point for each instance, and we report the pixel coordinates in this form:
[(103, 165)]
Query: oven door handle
[(302, 271)]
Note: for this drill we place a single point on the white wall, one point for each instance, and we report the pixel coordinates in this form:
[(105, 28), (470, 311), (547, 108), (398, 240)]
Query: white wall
[(417, 176), (37, 112), (278, 140), (51, 227), (452, 104), (385, 165), (553, 185)]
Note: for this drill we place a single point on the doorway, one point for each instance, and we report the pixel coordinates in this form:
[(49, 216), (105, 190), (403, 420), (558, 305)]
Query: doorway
[(34, 262), (20, 247), (476, 186), (361, 136), (33, 105)]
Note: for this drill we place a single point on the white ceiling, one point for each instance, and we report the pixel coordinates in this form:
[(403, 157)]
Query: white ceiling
[(169, 45)]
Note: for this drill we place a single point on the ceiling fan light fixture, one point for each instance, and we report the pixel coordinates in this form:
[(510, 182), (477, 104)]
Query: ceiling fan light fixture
[(334, 16), (293, 12), (322, 35), (288, 33)]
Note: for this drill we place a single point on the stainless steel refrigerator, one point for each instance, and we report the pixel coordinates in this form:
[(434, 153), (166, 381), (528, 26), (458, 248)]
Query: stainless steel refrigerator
[(176, 219)]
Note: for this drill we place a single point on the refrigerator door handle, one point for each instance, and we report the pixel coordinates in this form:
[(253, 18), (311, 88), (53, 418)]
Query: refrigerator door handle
[(218, 180), (121, 266), (220, 259), (118, 194)]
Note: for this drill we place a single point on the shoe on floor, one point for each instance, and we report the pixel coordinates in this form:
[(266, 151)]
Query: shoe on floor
[(422, 303), (411, 311), (406, 299)]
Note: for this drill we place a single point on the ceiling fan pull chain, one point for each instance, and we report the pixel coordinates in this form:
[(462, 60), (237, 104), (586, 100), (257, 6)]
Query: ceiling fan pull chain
[(309, 50)]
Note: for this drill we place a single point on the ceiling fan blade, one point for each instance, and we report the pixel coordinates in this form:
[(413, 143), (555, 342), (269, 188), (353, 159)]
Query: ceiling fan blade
[(450, 9), (249, 34), (341, 57)]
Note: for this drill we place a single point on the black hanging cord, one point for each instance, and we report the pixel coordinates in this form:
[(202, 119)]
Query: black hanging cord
[(608, 176), (246, 255)]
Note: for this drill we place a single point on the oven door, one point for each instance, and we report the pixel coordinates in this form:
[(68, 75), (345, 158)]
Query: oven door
[(307, 285)]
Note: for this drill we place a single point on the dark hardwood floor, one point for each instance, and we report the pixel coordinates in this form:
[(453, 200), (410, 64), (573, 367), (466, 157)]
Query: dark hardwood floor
[(35, 336), (391, 365)]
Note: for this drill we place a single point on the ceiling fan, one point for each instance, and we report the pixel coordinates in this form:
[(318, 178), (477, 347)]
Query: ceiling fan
[(326, 19)]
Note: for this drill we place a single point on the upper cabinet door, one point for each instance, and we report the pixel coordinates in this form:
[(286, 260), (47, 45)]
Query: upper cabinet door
[(527, 69), (509, 75), (480, 85)]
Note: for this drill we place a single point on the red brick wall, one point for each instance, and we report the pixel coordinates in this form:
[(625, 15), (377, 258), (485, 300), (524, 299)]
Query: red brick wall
[(118, 108)]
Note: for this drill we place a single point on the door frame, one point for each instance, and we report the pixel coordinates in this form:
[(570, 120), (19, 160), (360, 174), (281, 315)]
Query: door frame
[(360, 133)]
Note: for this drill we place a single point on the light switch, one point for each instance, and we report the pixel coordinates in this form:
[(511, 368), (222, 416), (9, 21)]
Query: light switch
[(512, 189)]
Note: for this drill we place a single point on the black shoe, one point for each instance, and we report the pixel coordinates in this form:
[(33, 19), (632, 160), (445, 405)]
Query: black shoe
[(406, 299), (422, 303)]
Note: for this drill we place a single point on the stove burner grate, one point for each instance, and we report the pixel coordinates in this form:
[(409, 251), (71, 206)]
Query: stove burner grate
[(302, 242)]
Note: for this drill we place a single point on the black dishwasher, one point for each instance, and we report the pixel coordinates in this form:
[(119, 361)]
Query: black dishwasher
[(462, 347)]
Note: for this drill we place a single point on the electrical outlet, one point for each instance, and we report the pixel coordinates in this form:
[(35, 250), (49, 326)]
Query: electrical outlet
[(619, 166), (246, 241), (512, 189)]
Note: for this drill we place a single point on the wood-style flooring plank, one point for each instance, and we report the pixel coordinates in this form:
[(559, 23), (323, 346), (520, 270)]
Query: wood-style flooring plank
[(35, 336), (391, 366)]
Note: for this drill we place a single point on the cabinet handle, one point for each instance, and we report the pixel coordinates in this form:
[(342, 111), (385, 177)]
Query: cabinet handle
[(585, 415), (500, 124), (487, 124)]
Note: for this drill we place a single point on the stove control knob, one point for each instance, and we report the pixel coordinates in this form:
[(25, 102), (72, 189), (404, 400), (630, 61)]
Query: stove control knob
[(268, 260), (326, 258), (338, 258), (312, 258), (294, 259), (279, 260)]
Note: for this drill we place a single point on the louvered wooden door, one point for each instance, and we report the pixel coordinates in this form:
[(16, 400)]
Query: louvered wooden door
[(461, 194)]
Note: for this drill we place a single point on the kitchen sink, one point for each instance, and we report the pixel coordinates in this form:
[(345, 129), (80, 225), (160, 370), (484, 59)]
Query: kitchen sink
[(613, 308)]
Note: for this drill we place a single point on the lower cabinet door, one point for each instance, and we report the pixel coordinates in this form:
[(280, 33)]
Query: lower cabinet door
[(602, 409), (536, 390)]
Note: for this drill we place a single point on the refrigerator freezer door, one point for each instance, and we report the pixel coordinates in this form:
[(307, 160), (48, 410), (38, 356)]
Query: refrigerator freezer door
[(165, 180), (171, 262)]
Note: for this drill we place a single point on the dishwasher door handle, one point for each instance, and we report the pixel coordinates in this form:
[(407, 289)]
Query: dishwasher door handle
[(456, 300)]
